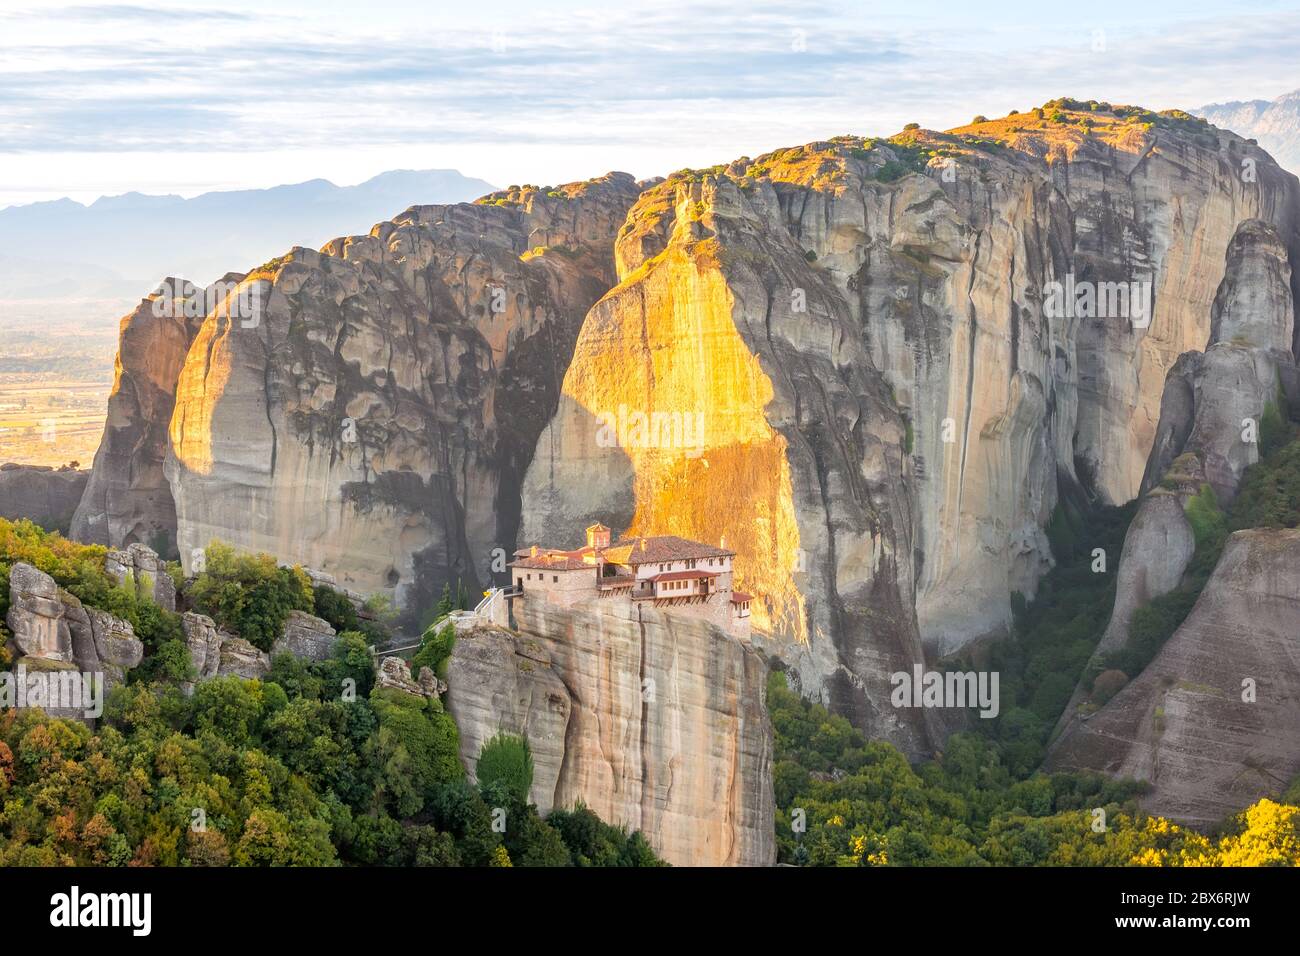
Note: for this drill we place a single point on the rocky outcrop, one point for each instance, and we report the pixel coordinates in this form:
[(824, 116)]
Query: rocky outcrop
[(1212, 722), (305, 636), (375, 420), (215, 653), (128, 499), (394, 673), (204, 644), (655, 721), (140, 570), (240, 658), (41, 494), (47, 624)]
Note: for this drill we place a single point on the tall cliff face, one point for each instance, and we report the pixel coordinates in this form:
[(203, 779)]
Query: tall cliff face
[(375, 417), (886, 397), (127, 499), (655, 721), (1210, 420), (853, 359), (1212, 722)]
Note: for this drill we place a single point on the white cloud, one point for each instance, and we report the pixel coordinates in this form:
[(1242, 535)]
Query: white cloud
[(514, 92)]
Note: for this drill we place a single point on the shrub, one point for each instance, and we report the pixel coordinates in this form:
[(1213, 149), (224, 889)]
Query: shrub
[(435, 650), (506, 761)]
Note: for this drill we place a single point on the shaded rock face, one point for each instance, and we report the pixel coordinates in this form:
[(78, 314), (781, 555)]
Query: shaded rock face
[(1209, 399), (127, 499), (375, 420), (41, 494), (48, 624), (1183, 724), (658, 724), (139, 569), (305, 636)]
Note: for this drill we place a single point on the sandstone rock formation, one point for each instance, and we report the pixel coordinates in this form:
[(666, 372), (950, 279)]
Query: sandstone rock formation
[(1210, 400), (886, 399), (849, 357), (305, 636), (215, 653), (41, 494), (655, 721), (47, 624), (1212, 722), (394, 673), (375, 420), (127, 499), (140, 570), (204, 644)]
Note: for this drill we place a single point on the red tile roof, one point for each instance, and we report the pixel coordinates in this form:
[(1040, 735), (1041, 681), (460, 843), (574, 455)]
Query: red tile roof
[(664, 547), (740, 597), (684, 575), (554, 561)]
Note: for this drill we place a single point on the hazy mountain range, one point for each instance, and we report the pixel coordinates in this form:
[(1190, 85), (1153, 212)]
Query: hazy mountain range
[(61, 260), (1275, 124)]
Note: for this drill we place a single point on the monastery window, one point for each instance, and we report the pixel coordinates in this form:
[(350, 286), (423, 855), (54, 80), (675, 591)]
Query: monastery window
[(555, 579)]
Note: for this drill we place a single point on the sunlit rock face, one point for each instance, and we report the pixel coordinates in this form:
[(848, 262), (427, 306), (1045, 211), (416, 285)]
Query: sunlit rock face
[(889, 398), (655, 721), (127, 499), (374, 419)]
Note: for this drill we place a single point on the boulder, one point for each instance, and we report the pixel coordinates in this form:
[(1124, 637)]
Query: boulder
[(51, 626), (305, 636), (395, 674), (36, 615), (215, 653), (204, 644), (241, 658)]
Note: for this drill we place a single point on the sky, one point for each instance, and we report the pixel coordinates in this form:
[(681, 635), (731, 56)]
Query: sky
[(187, 96)]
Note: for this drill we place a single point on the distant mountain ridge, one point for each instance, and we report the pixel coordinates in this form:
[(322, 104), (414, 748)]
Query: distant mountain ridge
[(1275, 124), (134, 239)]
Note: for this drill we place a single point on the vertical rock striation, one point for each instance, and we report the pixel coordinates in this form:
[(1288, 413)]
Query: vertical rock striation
[(653, 720)]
